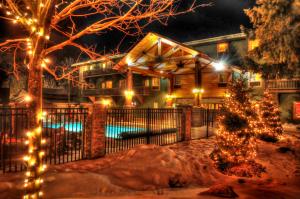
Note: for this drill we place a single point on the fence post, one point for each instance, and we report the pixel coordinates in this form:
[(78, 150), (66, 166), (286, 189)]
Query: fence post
[(148, 125), (186, 121), (207, 122), (96, 131)]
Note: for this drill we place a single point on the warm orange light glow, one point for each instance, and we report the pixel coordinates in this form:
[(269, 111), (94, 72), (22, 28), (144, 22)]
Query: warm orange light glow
[(106, 102), (222, 47), (198, 90), (27, 98), (252, 44), (129, 93)]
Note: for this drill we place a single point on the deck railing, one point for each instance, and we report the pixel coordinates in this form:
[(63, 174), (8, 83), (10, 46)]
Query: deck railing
[(99, 72), (63, 128), (116, 91), (284, 84)]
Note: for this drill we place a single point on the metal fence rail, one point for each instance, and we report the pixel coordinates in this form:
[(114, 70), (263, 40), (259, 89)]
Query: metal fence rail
[(204, 120), (126, 128), (13, 127), (63, 128)]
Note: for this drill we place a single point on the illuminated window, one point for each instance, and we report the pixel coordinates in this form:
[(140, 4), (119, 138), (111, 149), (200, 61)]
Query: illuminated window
[(177, 80), (103, 85), (255, 80), (122, 83), (222, 78), (104, 65), (147, 83), (155, 82), (108, 84), (252, 44), (222, 47)]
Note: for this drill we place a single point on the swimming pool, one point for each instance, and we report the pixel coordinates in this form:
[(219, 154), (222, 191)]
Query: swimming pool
[(111, 131), (115, 131)]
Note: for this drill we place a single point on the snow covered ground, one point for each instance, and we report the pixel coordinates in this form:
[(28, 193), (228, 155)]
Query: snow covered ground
[(181, 171)]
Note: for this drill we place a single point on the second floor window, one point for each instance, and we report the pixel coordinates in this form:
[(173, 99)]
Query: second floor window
[(122, 83), (106, 84), (222, 47), (222, 78), (155, 82), (177, 81)]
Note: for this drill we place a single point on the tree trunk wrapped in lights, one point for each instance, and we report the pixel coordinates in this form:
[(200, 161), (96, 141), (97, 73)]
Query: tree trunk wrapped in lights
[(269, 115), (46, 26), (236, 128)]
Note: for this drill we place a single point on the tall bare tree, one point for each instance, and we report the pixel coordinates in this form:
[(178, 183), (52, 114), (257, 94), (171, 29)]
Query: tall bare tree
[(42, 21)]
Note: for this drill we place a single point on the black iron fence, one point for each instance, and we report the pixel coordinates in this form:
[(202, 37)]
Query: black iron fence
[(63, 128), (203, 120), (13, 127), (126, 128)]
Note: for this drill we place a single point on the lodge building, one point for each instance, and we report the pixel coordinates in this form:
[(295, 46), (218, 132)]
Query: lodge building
[(159, 72)]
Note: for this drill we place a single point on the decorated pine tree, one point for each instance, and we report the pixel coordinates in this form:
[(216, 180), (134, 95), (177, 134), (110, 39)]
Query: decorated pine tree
[(276, 27), (269, 115), (236, 131)]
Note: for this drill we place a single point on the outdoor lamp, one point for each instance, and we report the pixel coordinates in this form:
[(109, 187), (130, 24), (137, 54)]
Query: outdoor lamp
[(198, 90), (219, 66), (129, 93)]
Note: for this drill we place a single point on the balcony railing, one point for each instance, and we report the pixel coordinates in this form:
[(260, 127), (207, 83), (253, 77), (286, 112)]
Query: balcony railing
[(116, 91), (289, 84), (99, 72)]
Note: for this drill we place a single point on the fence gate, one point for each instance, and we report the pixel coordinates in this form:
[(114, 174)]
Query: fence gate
[(126, 128), (202, 120), (63, 128), (13, 127)]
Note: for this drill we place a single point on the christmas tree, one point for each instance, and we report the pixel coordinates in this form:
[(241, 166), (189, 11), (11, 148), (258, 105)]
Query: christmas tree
[(269, 115), (277, 28), (236, 131)]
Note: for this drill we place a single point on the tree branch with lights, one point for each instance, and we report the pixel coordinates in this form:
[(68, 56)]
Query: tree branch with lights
[(269, 115), (237, 129), (49, 26)]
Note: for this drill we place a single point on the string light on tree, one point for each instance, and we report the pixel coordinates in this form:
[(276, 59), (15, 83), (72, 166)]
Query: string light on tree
[(38, 19), (236, 130), (269, 116)]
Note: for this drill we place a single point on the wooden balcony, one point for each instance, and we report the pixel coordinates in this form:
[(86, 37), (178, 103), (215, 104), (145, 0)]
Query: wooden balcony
[(284, 85), (116, 91), (100, 72)]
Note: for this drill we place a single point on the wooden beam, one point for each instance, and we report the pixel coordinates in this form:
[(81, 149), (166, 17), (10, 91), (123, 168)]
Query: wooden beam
[(150, 72), (171, 51), (159, 47)]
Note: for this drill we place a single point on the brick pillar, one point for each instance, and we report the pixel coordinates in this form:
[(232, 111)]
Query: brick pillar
[(96, 131), (187, 122)]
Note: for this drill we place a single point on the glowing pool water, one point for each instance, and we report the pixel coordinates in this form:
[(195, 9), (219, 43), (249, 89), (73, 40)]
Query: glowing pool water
[(115, 131), (111, 131)]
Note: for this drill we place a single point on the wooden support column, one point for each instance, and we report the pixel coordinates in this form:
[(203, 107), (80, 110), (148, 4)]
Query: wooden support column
[(198, 83), (169, 98), (129, 89)]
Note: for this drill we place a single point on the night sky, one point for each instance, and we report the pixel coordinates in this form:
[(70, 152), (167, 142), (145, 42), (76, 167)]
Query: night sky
[(223, 17)]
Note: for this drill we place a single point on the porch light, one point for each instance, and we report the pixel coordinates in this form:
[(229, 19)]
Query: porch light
[(129, 61), (219, 66), (105, 102), (198, 90), (170, 96), (129, 93), (27, 98)]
